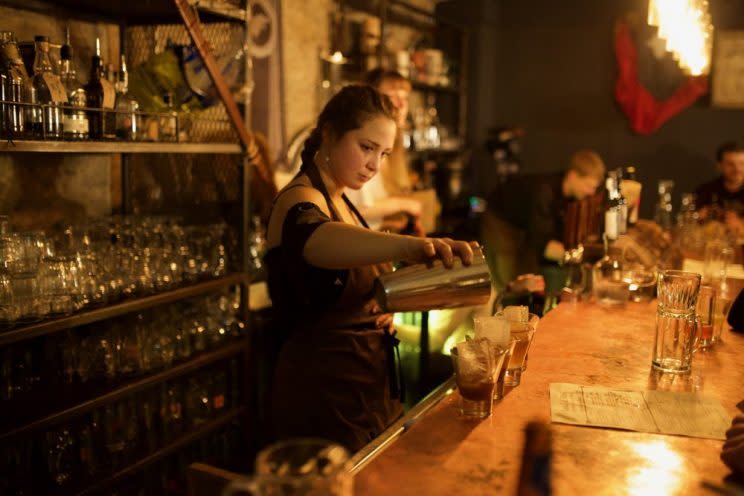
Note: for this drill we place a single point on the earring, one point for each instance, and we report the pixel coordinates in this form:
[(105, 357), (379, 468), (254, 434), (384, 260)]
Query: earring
[(327, 160)]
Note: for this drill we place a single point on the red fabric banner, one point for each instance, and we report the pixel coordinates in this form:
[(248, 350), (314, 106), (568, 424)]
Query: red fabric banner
[(645, 113)]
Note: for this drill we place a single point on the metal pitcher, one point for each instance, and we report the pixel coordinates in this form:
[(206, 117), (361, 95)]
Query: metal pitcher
[(420, 287)]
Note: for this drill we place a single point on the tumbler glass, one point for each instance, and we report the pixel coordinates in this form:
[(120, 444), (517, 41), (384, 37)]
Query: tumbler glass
[(475, 374), (718, 256), (676, 326)]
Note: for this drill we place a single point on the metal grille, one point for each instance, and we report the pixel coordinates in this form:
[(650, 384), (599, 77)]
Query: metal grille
[(226, 39)]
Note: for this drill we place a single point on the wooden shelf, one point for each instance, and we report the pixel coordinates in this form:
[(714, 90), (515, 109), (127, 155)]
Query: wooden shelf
[(46, 327), (116, 147), (174, 446), (120, 12), (129, 388)]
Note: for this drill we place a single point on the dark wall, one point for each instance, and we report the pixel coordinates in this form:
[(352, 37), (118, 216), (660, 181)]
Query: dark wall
[(551, 68)]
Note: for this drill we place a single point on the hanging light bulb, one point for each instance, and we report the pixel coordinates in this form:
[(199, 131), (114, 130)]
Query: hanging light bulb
[(686, 27)]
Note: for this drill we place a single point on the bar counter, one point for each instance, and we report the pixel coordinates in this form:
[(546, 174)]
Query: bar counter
[(581, 343)]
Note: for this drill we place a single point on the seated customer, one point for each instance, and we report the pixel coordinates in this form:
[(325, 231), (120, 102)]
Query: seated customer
[(523, 227), (723, 198)]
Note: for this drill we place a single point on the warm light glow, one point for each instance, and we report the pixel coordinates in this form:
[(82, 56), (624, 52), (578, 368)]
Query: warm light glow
[(659, 469), (686, 27)]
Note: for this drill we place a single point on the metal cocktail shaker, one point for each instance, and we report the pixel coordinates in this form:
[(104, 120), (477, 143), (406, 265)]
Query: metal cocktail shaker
[(421, 288)]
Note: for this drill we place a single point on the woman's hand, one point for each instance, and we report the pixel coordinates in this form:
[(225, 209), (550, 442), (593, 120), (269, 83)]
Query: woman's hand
[(527, 282), (733, 449), (426, 250)]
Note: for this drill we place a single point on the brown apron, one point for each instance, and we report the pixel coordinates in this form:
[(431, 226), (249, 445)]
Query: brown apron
[(337, 377)]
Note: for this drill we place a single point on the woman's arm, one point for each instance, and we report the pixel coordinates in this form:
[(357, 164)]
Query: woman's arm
[(337, 245)]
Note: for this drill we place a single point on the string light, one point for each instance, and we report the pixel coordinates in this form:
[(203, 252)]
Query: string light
[(685, 26)]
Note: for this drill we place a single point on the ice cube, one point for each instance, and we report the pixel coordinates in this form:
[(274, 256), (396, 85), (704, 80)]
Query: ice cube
[(495, 329), (474, 358), (517, 313)]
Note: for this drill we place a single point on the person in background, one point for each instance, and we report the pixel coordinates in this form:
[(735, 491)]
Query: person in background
[(523, 226), (384, 195), (723, 198), (336, 374)]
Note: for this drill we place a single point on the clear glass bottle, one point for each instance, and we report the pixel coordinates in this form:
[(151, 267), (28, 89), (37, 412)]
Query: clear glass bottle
[(622, 226), (688, 215), (74, 122), (612, 210), (632, 189), (608, 284), (663, 211), (126, 106), (15, 86), (50, 92)]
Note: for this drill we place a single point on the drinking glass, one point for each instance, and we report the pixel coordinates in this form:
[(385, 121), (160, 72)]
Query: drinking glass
[(676, 326), (475, 374), (718, 256), (27, 297), (58, 285), (522, 333), (704, 312), (641, 282), (8, 307), (299, 467), (721, 309)]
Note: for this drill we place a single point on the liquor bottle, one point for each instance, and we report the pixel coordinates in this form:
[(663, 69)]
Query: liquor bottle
[(632, 190), (612, 210), (126, 106), (622, 226), (50, 92), (663, 212), (74, 122), (100, 95), (15, 86)]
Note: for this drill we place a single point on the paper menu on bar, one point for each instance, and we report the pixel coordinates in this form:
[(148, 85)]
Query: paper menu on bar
[(664, 412)]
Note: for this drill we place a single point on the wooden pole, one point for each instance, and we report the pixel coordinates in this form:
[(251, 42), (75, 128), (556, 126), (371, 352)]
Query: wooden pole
[(191, 21)]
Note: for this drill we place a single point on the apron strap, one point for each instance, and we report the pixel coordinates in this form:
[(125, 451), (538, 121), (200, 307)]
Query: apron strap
[(395, 371), (314, 175)]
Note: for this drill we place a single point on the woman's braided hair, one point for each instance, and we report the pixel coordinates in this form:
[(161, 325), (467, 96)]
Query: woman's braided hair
[(347, 110)]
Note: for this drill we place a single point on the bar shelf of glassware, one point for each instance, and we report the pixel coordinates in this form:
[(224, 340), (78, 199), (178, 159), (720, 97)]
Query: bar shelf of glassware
[(180, 443), (54, 325), (151, 136), (72, 408)]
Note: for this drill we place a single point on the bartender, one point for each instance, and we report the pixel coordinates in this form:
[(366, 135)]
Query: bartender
[(336, 375), (523, 227), (386, 194)]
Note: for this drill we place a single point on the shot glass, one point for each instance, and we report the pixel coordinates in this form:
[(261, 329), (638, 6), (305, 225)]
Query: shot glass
[(475, 375), (498, 391), (522, 334)]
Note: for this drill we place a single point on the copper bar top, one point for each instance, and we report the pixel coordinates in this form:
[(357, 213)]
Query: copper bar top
[(581, 343)]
